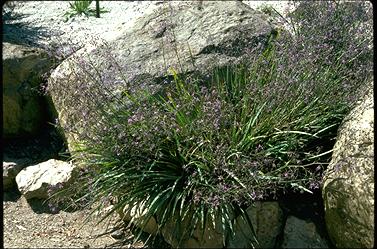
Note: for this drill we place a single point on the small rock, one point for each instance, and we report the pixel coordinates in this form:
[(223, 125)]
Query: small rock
[(34, 181)]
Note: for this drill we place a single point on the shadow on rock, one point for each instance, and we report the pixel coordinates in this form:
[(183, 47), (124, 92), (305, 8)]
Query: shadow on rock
[(20, 32), (44, 146), (11, 195), (309, 208)]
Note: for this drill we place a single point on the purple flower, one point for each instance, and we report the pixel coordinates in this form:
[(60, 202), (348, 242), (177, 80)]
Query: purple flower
[(286, 175), (258, 148), (253, 195), (53, 208), (314, 185), (224, 187), (214, 201), (197, 197)]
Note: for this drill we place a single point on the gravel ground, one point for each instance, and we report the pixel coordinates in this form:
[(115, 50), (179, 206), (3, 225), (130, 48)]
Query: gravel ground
[(29, 224)]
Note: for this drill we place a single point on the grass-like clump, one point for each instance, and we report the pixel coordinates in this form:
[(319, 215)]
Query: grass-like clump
[(83, 8), (210, 146)]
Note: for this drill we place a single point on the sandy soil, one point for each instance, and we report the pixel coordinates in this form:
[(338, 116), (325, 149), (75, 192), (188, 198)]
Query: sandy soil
[(29, 224)]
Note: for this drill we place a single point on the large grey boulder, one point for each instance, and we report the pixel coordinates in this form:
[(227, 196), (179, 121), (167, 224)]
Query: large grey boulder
[(38, 181), (267, 220), (348, 188), (186, 36), (302, 234), (23, 110)]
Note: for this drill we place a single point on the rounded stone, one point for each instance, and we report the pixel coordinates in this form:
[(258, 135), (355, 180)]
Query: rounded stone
[(348, 188)]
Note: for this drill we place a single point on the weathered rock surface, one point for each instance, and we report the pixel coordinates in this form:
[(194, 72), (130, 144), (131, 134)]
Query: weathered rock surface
[(267, 220), (186, 36), (35, 181), (23, 110), (348, 188), (302, 234)]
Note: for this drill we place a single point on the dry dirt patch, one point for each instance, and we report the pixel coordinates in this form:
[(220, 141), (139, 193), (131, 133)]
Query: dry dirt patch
[(29, 225)]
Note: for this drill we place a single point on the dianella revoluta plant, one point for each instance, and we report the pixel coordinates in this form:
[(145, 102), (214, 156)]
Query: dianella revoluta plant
[(207, 147)]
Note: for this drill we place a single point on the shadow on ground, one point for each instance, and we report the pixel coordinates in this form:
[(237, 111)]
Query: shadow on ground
[(47, 144), (17, 31), (11, 195), (38, 206), (310, 208)]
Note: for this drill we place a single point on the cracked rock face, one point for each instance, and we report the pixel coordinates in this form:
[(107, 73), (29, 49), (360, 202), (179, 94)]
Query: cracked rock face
[(186, 36), (23, 107), (348, 188)]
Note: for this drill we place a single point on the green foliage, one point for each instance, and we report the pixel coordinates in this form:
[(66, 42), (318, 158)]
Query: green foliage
[(82, 8), (207, 147)]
